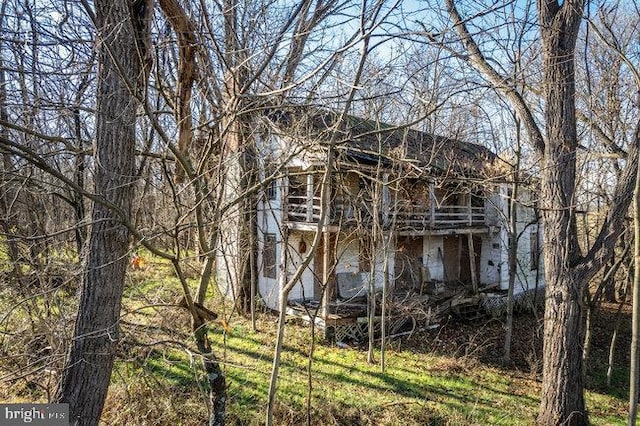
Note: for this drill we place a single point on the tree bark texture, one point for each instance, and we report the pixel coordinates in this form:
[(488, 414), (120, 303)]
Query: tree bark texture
[(562, 399), (634, 367), (513, 265), (215, 377), (187, 44), (88, 368)]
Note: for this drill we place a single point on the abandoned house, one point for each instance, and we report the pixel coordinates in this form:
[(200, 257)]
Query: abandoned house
[(420, 216)]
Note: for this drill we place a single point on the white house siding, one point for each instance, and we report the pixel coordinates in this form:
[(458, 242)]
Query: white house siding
[(347, 254), (526, 277), (268, 288), (432, 258), (490, 259), (269, 215), (303, 290), (348, 260)]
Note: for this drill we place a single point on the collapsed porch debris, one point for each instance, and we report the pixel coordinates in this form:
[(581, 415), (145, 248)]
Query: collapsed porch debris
[(409, 310)]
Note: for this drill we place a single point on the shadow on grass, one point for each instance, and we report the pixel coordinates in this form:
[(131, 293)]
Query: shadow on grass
[(173, 368), (456, 391)]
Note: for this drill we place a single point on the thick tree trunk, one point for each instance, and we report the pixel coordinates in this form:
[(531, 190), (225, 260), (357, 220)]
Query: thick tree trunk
[(562, 394), (88, 369), (566, 271), (562, 385), (634, 367)]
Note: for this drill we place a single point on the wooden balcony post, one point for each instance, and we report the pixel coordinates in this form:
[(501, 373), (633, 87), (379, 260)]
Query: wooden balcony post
[(310, 197), (469, 209), (472, 263)]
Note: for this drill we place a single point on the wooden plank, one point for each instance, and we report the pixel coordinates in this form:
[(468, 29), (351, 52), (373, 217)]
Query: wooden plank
[(472, 263)]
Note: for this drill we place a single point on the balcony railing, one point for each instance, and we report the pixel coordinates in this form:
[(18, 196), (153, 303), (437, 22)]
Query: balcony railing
[(408, 216), (415, 216), (303, 209)]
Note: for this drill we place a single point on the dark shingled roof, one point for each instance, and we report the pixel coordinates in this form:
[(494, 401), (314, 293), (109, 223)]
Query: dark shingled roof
[(367, 142)]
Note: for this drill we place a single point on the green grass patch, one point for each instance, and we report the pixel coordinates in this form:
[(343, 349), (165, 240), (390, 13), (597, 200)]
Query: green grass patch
[(158, 378), (416, 388)]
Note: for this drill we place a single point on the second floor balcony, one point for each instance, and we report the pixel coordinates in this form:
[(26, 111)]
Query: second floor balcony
[(402, 215)]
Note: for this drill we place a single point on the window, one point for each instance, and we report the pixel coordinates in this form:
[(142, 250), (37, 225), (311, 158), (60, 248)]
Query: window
[(508, 205), (269, 256), (271, 190), (534, 250)]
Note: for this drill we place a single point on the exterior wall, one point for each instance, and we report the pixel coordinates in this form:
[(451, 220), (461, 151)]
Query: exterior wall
[(347, 255), (490, 259), (494, 267), (303, 290), (527, 275), (268, 288), (348, 260), (433, 257), (269, 216)]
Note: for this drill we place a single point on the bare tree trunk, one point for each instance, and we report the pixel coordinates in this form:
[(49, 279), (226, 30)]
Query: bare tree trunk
[(562, 384), (614, 336), (593, 304), (284, 286), (312, 347), (610, 283), (513, 253), (371, 292), (386, 241), (80, 163), (567, 271), (88, 368), (6, 168), (282, 316), (239, 165), (634, 368), (588, 327), (215, 376), (612, 348)]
